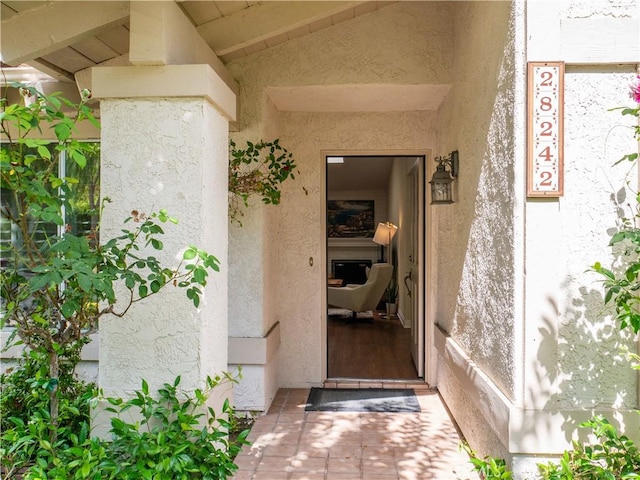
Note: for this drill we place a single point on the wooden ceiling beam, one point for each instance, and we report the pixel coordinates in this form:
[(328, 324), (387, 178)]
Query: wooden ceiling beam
[(57, 25), (262, 21)]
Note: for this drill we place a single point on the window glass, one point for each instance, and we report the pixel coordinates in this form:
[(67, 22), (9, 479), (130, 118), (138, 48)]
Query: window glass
[(80, 219)]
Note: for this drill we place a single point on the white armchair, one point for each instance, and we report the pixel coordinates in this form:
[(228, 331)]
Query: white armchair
[(362, 298)]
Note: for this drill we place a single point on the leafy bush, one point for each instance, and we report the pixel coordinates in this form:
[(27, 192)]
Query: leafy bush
[(489, 468), (24, 407), (175, 437), (612, 457)]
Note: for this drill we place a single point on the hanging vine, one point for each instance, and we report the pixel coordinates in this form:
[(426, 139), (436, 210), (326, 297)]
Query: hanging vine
[(259, 169)]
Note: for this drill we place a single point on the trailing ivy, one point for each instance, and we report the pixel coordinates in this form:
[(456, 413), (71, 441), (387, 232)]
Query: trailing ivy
[(259, 169)]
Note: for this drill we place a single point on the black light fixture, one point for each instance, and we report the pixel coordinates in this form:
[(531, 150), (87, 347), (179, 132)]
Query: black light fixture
[(441, 182)]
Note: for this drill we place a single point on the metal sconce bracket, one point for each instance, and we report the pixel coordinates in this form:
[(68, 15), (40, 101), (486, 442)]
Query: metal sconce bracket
[(452, 161)]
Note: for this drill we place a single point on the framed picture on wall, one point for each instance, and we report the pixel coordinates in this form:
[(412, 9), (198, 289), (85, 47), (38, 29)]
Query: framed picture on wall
[(350, 218)]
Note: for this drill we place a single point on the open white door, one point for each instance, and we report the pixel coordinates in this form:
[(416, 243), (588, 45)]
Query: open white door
[(414, 280)]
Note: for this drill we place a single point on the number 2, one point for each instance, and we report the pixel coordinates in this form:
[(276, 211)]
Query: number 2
[(546, 179), (547, 77), (546, 129)]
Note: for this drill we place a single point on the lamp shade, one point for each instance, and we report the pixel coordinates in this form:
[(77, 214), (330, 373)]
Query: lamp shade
[(384, 233)]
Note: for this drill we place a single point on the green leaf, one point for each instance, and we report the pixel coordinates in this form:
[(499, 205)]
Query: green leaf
[(84, 282), (38, 282), (190, 253), (44, 152), (69, 308), (155, 286), (79, 158), (62, 131), (200, 276)]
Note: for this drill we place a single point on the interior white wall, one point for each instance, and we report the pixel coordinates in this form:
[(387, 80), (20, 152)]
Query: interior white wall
[(400, 206)]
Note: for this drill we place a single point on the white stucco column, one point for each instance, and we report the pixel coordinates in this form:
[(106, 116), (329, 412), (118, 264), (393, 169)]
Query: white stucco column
[(165, 145)]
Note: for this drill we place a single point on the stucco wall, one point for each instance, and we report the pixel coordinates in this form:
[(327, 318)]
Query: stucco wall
[(475, 256), (527, 321), (155, 154), (478, 238), (574, 345), (300, 285), (408, 43)]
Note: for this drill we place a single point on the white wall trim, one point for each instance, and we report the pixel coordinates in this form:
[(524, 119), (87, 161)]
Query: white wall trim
[(604, 40), (89, 352), (491, 402), (529, 432), (254, 350), (593, 40)]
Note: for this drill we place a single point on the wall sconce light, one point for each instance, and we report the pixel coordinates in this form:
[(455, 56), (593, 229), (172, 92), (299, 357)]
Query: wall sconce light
[(441, 182)]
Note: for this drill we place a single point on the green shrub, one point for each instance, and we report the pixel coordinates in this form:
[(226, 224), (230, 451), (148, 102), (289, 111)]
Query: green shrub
[(489, 468), (24, 408), (612, 457), (176, 436)]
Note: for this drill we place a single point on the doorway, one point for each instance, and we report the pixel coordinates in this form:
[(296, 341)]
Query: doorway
[(378, 342)]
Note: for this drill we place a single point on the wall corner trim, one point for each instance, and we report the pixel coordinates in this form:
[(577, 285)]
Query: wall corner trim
[(524, 431), (490, 401), (90, 352), (254, 350)]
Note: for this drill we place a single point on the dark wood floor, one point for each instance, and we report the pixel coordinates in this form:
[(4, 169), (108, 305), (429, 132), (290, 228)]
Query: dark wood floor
[(369, 348)]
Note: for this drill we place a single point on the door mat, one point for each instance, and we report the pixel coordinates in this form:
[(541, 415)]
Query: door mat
[(388, 400)]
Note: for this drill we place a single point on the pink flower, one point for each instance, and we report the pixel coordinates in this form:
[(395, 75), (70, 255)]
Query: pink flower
[(635, 90)]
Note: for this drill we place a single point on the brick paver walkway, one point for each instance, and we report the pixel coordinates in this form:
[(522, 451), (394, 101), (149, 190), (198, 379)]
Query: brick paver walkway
[(289, 443)]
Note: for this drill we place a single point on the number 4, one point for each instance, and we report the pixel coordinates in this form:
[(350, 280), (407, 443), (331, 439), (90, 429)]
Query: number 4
[(546, 153)]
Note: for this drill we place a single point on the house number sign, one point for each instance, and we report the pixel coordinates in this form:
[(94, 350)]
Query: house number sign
[(545, 113)]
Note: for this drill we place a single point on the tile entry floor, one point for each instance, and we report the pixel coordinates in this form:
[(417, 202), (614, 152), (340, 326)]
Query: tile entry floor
[(289, 443)]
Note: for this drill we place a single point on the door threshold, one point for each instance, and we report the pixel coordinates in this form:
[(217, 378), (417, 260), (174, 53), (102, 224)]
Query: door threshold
[(374, 383)]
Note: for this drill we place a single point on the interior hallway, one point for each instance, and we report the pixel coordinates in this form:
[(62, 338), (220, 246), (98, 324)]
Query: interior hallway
[(369, 347)]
